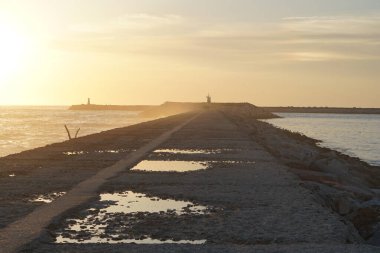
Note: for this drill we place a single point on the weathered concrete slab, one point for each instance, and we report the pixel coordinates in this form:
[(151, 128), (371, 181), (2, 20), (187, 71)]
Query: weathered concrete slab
[(225, 248), (260, 205), (26, 229)]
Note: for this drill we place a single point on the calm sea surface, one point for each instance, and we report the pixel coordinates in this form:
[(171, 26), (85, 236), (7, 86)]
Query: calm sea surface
[(23, 128), (355, 135)]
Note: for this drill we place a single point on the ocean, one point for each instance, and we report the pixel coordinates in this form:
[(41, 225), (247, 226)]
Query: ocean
[(23, 128), (357, 135)]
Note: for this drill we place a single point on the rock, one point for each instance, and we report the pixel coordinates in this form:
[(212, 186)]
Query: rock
[(373, 203), (366, 219), (359, 193), (344, 206), (47, 237), (315, 176), (375, 239)]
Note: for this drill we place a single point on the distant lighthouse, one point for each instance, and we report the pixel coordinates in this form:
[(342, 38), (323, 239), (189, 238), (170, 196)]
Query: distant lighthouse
[(208, 99), (89, 101)]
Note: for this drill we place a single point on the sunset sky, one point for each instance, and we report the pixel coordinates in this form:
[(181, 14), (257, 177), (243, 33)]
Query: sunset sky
[(267, 52)]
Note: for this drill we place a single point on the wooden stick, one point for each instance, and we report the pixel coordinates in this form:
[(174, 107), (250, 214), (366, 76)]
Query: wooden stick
[(76, 134), (68, 132)]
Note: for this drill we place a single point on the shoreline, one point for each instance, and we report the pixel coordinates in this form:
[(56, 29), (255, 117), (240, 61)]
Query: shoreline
[(345, 184), (337, 133)]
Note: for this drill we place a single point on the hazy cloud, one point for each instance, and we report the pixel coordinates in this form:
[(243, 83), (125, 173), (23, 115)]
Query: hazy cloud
[(340, 38), (333, 25), (129, 22)]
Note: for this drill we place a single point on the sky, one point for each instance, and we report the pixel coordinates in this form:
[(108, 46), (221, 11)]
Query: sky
[(266, 52)]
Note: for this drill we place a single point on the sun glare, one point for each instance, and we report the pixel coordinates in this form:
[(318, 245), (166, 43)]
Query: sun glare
[(13, 50)]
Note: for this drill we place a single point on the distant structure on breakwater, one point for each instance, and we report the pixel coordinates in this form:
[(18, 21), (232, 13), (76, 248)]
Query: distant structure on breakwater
[(94, 107), (208, 99), (172, 108), (178, 107)]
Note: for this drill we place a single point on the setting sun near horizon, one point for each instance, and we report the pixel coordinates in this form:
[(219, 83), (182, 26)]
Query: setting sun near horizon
[(13, 50), (269, 53)]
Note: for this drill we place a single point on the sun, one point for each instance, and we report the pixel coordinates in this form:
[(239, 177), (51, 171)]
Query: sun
[(13, 51)]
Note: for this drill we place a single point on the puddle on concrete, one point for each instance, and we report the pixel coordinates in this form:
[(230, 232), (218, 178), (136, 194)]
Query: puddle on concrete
[(170, 166), (193, 151), (115, 240), (75, 153), (99, 224), (186, 151), (48, 198), (130, 202), (180, 166), (109, 151)]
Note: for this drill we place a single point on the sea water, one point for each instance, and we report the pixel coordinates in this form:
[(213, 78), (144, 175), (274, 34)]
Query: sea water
[(356, 135), (23, 128)]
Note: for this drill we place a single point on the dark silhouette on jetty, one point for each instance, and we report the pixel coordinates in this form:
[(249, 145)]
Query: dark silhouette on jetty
[(171, 108)]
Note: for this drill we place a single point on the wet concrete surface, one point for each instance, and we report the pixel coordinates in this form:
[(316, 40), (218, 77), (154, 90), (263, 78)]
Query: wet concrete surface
[(24, 222), (52, 169), (255, 203), (113, 217)]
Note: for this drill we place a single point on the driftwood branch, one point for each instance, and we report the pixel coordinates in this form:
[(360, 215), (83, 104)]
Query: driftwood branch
[(76, 134), (69, 134)]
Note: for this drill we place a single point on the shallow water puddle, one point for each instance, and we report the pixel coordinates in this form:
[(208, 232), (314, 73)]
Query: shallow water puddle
[(187, 151), (48, 198), (75, 153), (181, 166), (112, 151), (192, 151), (115, 240), (118, 213), (170, 166), (130, 202), (109, 151)]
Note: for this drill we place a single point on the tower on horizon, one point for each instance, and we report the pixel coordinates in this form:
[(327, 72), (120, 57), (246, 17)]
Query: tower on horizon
[(208, 99), (89, 101)]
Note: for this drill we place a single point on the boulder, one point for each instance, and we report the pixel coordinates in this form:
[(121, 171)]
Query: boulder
[(344, 205), (366, 218), (375, 239)]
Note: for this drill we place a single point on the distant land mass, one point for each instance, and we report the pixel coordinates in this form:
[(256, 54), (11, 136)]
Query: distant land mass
[(178, 107), (172, 108), (332, 110)]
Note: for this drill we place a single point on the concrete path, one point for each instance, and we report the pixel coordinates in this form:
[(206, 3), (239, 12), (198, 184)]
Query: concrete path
[(260, 205), (28, 228)]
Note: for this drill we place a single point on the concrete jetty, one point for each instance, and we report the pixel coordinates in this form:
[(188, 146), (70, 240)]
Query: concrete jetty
[(256, 199)]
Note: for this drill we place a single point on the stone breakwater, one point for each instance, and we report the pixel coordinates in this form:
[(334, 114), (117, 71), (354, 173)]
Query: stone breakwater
[(172, 108), (344, 184), (259, 189)]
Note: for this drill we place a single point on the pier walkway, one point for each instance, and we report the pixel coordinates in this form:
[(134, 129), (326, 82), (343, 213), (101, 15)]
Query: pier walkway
[(255, 204)]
